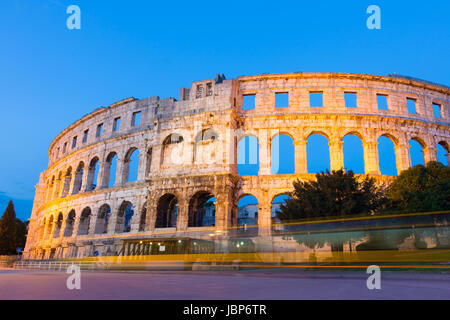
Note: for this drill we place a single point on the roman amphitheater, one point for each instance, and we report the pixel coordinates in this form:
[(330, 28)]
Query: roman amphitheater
[(185, 152)]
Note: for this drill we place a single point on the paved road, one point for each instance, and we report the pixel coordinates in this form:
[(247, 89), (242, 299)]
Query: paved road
[(208, 285)]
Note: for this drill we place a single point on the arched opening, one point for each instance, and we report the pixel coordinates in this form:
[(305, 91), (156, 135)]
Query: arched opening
[(101, 225), (85, 220), (94, 168), (78, 178), (442, 153), (124, 217), (205, 146), (167, 211), (353, 154), (143, 220), (386, 156), (131, 166), (248, 156), (416, 152), (70, 222), (172, 151), (276, 203), (109, 178), (282, 155), (67, 182), (317, 153), (58, 225), (48, 233), (247, 211), (202, 210)]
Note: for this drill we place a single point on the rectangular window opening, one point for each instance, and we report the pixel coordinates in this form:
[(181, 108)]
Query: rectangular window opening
[(65, 147), (411, 104), (116, 124), (74, 142), (199, 93), (437, 110), (248, 102), (85, 135), (136, 121), (99, 130), (316, 99), (282, 100), (350, 100), (209, 89), (382, 102)]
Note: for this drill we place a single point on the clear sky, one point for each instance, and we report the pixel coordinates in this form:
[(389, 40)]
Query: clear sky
[(51, 76)]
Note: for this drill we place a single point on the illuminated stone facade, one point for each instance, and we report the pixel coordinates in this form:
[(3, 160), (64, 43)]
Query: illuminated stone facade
[(188, 153)]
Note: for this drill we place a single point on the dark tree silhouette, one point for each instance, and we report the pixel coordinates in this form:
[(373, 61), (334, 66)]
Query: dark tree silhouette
[(421, 189), (335, 194), (12, 231)]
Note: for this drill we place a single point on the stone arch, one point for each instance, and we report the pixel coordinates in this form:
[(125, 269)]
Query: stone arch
[(93, 171), (390, 136), (58, 225), (312, 132), (131, 165), (84, 223), (124, 217), (354, 133), (205, 144), (248, 155), (70, 223), (110, 170), (416, 151), (353, 152), (167, 211), (387, 158), (202, 209), (248, 210), (78, 180), (67, 182), (172, 150), (317, 152), (103, 217)]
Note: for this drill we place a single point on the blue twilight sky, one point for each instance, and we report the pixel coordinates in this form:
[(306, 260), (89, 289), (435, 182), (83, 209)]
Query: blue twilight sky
[(51, 76)]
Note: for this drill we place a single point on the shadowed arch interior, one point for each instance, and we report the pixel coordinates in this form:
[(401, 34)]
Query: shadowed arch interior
[(70, 222), (104, 213), (167, 211), (202, 210)]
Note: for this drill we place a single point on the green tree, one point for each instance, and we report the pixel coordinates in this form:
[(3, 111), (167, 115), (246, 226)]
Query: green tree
[(12, 231), (421, 189), (334, 194)]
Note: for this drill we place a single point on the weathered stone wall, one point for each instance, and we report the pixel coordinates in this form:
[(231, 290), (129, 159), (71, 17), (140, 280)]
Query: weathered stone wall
[(210, 120)]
